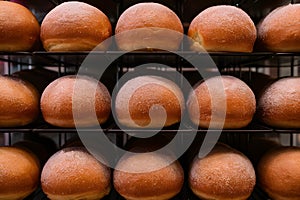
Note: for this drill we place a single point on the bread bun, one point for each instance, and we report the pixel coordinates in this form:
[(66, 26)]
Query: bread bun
[(19, 29), (74, 26), (72, 173), (19, 173), (223, 174), (238, 97), (279, 31), (222, 28), (278, 173), (147, 176), (279, 104), (19, 102), (79, 96), (149, 102), (148, 26)]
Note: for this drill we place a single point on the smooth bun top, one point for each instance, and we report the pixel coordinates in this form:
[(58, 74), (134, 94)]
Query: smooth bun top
[(149, 101), (279, 174), (19, 29), (279, 104), (74, 26), (224, 173), (147, 26), (144, 15), (73, 171), (279, 30), (19, 173), (223, 28)]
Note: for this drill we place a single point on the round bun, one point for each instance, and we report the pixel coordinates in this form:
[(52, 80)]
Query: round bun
[(205, 103), (19, 173), (223, 174), (19, 102), (278, 173), (75, 100), (74, 26), (279, 104), (147, 176), (73, 173), (223, 28), (19, 29), (149, 101), (279, 31), (148, 26)]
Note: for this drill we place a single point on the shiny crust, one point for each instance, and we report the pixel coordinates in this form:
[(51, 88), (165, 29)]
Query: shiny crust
[(279, 104), (164, 28), (21, 31), (279, 30), (19, 102), (223, 28), (74, 26), (240, 103), (278, 173), (135, 179), (72, 173), (223, 174), (58, 102), (19, 173), (137, 96)]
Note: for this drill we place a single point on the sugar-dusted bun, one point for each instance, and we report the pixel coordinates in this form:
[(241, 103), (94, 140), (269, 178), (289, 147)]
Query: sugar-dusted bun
[(278, 173), (279, 104), (223, 28), (149, 101), (71, 95), (148, 176), (19, 173), (19, 29), (19, 102), (73, 173), (223, 174), (279, 31), (206, 102), (74, 26), (161, 28)]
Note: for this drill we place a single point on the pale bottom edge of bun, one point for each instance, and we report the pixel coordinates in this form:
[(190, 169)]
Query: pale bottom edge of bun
[(233, 124), (138, 123), (16, 195), (69, 123), (202, 195), (75, 44), (157, 197), (86, 196), (282, 123)]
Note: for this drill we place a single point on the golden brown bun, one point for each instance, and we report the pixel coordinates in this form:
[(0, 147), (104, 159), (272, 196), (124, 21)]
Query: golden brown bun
[(278, 173), (73, 173), (145, 96), (58, 102), (19, 173), (148, 177), (161, 28), (223, 174), (279, 31), (19, 29), (238, 98), (223, 28), (19, 102), (279, 104), (74, 26)]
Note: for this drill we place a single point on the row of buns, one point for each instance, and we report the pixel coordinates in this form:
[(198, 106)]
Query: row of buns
[(222, 102), (77, 26), (224, 173)]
